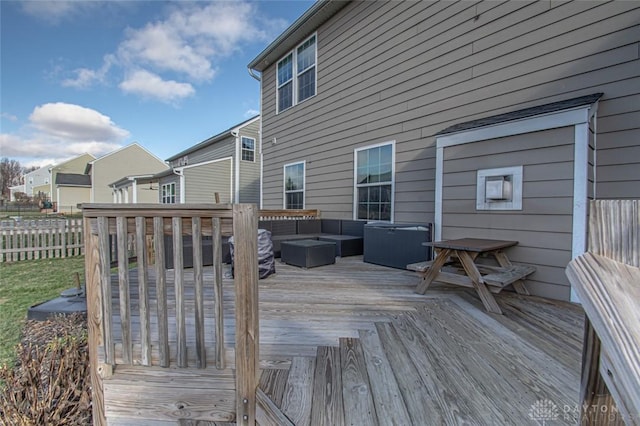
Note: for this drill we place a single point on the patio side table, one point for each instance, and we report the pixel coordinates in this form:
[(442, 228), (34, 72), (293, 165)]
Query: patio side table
[(308, 253)]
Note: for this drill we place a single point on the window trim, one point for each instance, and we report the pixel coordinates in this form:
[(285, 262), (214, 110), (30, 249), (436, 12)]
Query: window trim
[(253, 151), (162, 197), (304, 184), (393, 178), (295, 74)]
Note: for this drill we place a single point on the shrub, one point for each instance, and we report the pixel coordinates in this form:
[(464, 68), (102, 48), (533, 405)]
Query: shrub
[(50, 383)]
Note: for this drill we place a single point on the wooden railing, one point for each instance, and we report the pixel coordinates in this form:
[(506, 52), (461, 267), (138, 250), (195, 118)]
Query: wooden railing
[(40, 239), (607, 280), (152, 341)]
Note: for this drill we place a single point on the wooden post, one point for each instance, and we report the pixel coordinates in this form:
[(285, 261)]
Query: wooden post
[(94, 320), (245, 232)]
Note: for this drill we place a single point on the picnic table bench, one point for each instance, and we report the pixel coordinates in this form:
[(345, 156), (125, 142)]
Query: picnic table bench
[(455, 263)]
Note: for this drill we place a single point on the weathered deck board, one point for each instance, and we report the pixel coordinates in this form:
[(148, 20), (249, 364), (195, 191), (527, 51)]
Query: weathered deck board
[(534, 348), (356, 390)]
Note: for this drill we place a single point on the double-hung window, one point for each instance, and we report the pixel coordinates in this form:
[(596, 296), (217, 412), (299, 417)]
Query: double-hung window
[(374, 182), (248, 148), (296, 78), (294, 185), (168, 193)]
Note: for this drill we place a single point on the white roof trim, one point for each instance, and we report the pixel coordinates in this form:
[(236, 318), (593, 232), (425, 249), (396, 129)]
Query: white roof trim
[(551, 120)]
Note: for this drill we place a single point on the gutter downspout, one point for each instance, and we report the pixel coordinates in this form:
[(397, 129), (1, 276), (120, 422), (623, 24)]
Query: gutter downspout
[(236, 172), (178, 172)]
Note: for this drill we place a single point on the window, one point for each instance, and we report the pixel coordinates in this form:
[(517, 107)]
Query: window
[(374, 173), (168, 193), (248, 148), (294, 186), (301, 64)]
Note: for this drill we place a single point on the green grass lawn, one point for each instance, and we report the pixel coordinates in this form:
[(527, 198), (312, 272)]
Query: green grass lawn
[(26, 283)]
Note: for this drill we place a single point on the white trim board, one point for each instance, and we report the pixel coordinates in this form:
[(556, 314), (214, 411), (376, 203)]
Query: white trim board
[(579, 117)]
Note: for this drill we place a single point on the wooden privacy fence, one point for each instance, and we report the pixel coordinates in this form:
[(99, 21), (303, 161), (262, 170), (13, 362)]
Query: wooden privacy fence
[(40, 239), (173, 325)]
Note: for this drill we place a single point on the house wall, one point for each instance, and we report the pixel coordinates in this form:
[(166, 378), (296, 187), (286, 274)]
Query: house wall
[(203, 181), (128, 161), (75, 165), (405, 70), (543, 227), (45, 189), (250, 171), (220, 149), (36, 179), (70, 196)]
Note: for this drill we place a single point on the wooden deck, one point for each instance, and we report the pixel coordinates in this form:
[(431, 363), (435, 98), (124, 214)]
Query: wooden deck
[(352, 343)]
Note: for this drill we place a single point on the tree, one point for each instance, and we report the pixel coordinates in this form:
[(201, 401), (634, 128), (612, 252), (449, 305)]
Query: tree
[(10, 175)]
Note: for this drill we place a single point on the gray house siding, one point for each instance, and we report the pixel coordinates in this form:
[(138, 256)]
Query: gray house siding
[(544, 225), (403, 71), (250, 170), (204, 180), (220, 149)]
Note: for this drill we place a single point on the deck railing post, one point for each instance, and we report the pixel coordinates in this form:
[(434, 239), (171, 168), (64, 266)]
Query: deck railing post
[(245, 231), (94, 319)]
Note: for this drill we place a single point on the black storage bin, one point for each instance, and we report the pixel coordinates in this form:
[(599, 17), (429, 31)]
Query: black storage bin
[(187, 251), (396, 245)]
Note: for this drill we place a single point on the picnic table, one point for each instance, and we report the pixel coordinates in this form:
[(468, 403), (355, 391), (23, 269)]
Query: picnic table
[(455, 263)]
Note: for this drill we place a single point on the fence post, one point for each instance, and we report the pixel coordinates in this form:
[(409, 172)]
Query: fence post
[(245, 235)]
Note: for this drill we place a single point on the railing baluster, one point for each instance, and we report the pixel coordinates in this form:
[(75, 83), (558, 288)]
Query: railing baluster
[(123, 284), (178, 265), (161, 291), (218, 307), (143, 290), (201, 353), (105, 287)]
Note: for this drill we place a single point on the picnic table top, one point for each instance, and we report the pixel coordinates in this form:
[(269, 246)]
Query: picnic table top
[(473, 244)]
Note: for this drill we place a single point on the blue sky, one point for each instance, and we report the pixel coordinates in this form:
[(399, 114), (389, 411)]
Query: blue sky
[(91, 76)]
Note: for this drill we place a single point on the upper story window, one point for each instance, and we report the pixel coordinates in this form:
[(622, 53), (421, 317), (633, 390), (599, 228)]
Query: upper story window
[(248, 149), (374, 182), (168, 193), (296, 78)]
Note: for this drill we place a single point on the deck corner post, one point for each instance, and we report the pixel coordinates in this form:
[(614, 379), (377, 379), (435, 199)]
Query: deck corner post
[(94, 320), (245, 231)]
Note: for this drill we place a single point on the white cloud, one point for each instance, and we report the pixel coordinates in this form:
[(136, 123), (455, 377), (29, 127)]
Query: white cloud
[(56, 11), (251, 113), (150, 85), (183, 49), (9, 117), (63, 130)]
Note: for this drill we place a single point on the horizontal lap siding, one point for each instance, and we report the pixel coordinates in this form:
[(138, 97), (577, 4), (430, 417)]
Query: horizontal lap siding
[(202, 182), (215, 151), (405, 70), (250, 171), (544, 225)]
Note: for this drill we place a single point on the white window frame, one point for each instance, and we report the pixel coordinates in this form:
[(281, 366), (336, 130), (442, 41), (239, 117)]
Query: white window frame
[(243, 149), (304, 184), (164, 198), (296, 73), (393, 178)]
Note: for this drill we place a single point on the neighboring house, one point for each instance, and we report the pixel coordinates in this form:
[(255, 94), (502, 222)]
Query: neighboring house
[(38, 181), (75, 165), (71, 189), (227, 164), (489, 119), (13, 190), (135, 189), (131, 160)]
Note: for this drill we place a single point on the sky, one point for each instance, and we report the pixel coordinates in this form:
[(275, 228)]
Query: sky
[(93, 76)]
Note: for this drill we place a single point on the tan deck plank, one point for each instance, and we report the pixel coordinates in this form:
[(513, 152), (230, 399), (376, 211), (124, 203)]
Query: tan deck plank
[(420, 399), (356, 390), (327, 407), (273, 382), (296, 401), (390, 407)]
